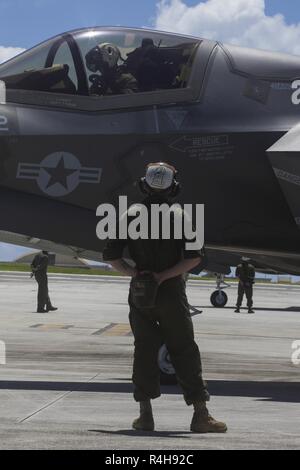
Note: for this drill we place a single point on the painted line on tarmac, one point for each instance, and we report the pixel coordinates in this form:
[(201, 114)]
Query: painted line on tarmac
[(121, 329), (58, 399), (102, 330), (114, 329), (51, 326)]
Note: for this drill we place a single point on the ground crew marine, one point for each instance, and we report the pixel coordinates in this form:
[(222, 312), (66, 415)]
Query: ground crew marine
[(169, 320), (245, 272), (39, 268)]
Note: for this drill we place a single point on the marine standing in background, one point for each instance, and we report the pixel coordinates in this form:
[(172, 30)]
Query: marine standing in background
[(39, 268), (245, 272)]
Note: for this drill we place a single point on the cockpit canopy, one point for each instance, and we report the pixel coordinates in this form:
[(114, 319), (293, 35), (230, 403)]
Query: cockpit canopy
[(82, 63)]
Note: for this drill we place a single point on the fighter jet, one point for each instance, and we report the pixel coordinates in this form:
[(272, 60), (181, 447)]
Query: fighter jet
[(84, 112)]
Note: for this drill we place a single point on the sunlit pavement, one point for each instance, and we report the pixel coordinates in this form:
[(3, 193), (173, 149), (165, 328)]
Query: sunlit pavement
[(67, 380)]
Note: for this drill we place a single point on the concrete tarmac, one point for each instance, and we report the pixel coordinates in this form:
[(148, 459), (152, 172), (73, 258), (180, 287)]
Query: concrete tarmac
[(66, 383)]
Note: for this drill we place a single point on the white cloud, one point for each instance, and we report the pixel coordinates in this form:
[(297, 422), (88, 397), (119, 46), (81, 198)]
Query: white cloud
[(9, 52), (241, 22)]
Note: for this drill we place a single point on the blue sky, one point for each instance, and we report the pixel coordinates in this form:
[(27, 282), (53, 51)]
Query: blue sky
[(24, 23), (289, 8)]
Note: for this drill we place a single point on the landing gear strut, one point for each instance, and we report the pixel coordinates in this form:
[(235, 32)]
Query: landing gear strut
[(219, 298)]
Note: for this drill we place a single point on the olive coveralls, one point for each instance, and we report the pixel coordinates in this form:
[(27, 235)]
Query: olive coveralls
[(40, 266), (168, 322), (246, 274)]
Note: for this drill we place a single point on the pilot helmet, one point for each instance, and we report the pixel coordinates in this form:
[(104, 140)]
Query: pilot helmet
[(146, 42), (103, 57), (160, 178)]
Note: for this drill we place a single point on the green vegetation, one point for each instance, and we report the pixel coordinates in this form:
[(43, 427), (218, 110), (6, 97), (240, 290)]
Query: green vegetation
[(228, 280), (54, 269), (94, 271)]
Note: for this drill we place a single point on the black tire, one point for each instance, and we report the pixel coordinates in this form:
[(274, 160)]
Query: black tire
[(219, 299), (167, 372)]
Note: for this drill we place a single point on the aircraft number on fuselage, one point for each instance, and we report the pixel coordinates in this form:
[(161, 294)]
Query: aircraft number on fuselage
[(3, 123), (296, 94)]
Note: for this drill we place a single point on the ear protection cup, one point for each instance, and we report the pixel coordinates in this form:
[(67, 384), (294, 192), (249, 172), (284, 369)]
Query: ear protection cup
[(144, 188), (175, 189)]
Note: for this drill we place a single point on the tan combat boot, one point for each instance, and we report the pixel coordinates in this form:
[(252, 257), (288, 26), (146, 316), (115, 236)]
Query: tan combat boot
[(145, 421), (203, 422)]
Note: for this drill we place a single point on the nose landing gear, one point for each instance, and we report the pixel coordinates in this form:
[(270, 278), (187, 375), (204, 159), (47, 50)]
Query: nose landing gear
[(219, 298)]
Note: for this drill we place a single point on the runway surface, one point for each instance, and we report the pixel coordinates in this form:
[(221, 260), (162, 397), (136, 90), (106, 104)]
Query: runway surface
[(66, 383)]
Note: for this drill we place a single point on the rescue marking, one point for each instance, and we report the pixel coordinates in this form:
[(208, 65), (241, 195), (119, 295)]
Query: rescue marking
[(186, 143), (204, 147)]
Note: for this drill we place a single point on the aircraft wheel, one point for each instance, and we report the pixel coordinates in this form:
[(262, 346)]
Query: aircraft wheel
[(219, 298), (167, 371)]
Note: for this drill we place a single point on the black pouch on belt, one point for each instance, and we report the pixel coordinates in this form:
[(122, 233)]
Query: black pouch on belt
[(143, 290)]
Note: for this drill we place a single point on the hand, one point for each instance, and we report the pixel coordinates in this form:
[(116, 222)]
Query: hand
[(159, 277)]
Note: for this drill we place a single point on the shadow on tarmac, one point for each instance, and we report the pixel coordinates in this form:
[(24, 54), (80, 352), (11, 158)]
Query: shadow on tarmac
[(134, 433), (288, 392), (256, 309)]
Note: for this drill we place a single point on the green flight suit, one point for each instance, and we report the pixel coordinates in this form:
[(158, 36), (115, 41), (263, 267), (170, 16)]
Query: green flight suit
[(168, 322)]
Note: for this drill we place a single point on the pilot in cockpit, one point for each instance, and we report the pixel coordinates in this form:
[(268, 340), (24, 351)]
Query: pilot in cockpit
[(113, 78), (142, 63)]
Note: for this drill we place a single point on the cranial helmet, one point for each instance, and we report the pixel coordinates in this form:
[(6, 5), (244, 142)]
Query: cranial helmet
[(160, 178), (102, 57)]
